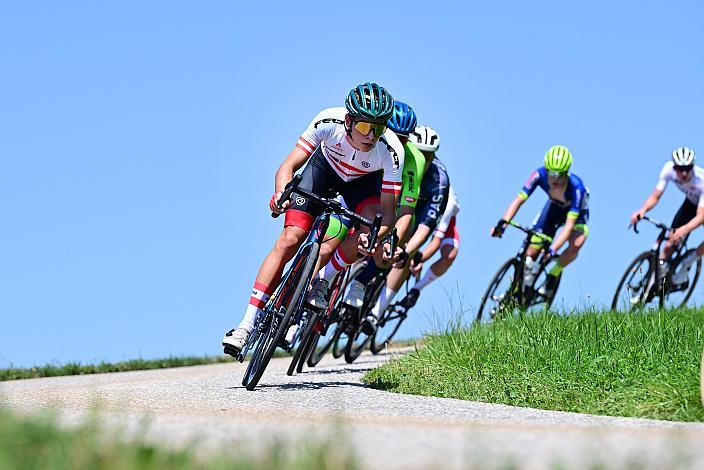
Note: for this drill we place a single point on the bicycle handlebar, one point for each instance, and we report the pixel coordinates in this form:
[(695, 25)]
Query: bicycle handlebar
[(530, 232), (659, 225), (331, 205)]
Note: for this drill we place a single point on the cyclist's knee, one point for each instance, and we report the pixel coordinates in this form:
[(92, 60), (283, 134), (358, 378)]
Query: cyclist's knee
[(289, 240), (449, 253)]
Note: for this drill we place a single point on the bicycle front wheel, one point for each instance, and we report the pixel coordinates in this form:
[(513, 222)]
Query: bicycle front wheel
[(503, 295), (636, 287), (281, 310)]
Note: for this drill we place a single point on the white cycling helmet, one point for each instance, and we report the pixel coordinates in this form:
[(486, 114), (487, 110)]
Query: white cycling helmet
[(683, 156), (425, 138)]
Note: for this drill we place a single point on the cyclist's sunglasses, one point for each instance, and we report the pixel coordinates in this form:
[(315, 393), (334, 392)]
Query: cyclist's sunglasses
[(684, 168), (365, 127), (557, 174)]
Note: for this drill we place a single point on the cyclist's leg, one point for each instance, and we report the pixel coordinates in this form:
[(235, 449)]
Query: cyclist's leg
[(359, 194), (449, 248), (547, 223), (684, 214), (299, 217)]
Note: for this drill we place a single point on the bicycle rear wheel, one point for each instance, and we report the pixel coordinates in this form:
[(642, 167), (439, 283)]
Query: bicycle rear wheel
[(299, 358), (280, 310), (536, 300), (635, 287), (677, 295), (503, 295)]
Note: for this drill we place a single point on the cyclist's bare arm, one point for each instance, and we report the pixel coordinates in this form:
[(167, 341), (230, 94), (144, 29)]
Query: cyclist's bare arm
[(403, 224), (388, 220), (511, 210), (431, 248), (649, 203), (419, 237), (293, 162), (696, 221)]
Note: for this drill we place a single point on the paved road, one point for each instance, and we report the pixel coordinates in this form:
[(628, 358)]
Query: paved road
[(386, 430)]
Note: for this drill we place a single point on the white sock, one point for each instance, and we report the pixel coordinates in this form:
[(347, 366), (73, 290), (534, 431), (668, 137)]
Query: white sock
[(260, 294), (385, 298), (336, 264), (428, 277)]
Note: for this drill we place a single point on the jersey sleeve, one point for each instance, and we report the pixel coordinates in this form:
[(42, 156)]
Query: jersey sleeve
[(392, 164), (320, 128), (453, 207), (664, 177), (413, 166), (530, 185)]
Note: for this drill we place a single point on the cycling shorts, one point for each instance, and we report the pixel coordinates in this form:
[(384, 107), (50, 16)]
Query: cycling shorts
[(684, 214), (553, 216), (452, 235)]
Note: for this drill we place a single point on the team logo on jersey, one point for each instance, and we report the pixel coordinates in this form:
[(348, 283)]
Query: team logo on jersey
[(410, 199), (366, 164), (338, 145), (300, 201)]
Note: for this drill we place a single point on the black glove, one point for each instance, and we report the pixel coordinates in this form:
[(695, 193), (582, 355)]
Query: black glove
[(499, 229)]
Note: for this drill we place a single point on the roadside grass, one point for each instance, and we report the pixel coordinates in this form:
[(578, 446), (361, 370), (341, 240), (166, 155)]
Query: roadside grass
[(643, 365), (76, 368), (38, 443)]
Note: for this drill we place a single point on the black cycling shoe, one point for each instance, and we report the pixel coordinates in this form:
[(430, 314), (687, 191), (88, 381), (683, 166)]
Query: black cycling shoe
[(548, 289), (411, 298), (369, 325)]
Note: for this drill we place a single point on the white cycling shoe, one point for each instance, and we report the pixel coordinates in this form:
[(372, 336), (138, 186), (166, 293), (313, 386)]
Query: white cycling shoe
[(355, 295), (234, 341)]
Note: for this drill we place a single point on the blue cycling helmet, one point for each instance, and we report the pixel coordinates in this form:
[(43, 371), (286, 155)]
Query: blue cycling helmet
[(403, 120)]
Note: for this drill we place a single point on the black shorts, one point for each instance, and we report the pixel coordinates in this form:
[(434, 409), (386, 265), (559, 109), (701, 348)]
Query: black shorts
[(684, 214), (320, 178)]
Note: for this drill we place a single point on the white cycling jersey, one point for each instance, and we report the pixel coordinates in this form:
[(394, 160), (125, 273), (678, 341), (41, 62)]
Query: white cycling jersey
[(328, 131), (693, 189), (453, 207)]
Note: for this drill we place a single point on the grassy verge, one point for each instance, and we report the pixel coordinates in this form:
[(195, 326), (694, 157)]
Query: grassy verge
[(640, 365), (76, 368), (37, 443)]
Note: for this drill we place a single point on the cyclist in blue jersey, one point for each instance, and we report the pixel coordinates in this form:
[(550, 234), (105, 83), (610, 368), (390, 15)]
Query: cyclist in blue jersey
[(568, 205)]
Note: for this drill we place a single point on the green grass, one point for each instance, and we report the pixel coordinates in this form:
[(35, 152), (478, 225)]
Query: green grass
[(37, 443), (640, 365), (76, 368)]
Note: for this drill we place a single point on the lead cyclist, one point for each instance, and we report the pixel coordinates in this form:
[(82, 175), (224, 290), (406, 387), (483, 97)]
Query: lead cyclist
[(347, 151)]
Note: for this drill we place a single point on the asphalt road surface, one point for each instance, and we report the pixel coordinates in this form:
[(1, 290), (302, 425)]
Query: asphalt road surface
[(207, 405)]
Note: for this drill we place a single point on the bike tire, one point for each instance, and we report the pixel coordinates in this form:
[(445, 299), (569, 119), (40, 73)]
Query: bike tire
[(630, 270), (495, 282), (359, 340), (377, 345), (693, 284), (299, 358), (300, 271), (546, 303)]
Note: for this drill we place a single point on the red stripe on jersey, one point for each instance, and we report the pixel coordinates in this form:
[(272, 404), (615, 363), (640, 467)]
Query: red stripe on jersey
[(305, 150), (339, 168), (350, 167), (264, 288), (394, 183), (342, 256), (256, 302), (305, 143), (390, 191)]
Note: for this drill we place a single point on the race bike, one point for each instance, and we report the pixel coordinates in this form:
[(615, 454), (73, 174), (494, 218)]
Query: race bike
[(507, 293), (646, 284), (285, 306)]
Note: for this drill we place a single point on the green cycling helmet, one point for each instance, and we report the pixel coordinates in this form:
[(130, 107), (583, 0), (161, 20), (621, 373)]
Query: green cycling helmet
[(370, 102), (558, 158)]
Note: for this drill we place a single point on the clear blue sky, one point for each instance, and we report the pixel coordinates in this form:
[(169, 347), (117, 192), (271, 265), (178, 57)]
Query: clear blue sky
[(139, 141)]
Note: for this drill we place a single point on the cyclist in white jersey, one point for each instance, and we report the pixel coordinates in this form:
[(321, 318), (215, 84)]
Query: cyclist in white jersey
[(347, 152), (689, 178), (446, 238)]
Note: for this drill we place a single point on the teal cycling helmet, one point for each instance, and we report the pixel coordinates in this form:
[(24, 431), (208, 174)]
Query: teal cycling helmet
[(370, 102), (558, 158)]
